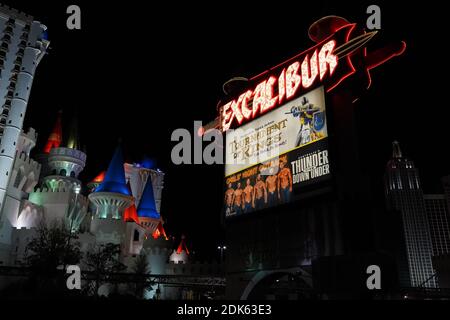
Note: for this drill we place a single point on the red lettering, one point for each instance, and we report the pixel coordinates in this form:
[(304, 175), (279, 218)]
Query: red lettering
[(227, 116), (293, 79), (309, 70), (270, 100), (259, 98), (246, 112), (326, 58), (237, 112), (312, 69), (281, 86)]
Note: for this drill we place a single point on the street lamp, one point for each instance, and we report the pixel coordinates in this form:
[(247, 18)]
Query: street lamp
[(77, 190), (221, 248)]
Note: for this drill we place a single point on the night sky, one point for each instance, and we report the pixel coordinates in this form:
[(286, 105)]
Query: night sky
[(138, 72)]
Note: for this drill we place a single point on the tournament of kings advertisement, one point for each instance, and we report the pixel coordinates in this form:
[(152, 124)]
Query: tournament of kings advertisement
[(270, 160)]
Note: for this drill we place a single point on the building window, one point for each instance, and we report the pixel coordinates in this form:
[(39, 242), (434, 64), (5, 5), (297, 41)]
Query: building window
[(136, 235), (63, 172), (72, 174)]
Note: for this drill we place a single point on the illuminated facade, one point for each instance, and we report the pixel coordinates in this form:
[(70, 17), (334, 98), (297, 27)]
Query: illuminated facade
[(120, 205), (404, 194), (23, 43), (439, 222), (312, 201)]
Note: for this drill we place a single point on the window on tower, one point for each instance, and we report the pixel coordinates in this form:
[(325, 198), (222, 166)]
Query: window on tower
[(136, 235)]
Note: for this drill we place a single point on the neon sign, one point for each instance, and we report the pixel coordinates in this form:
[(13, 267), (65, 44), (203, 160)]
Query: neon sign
[(339, 53), (297, 75)]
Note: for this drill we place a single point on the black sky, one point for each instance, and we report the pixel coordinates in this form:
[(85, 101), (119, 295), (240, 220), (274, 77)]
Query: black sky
[(138, 72)]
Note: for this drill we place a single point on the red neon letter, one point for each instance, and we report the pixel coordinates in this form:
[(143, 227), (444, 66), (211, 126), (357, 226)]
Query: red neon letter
[(227, 116), (244, 106), (281, 86), (270, 100), (259, 99), (327, 58), (309, 70), (293, 80), (235, 107)]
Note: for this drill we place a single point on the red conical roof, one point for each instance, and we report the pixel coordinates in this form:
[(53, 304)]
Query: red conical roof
[(182, 246), (159, 232), (130, 214), (99, 178), (55, 138)]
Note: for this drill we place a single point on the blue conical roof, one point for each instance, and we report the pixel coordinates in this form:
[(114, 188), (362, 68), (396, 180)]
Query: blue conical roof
[(114, 180), (147, 205)]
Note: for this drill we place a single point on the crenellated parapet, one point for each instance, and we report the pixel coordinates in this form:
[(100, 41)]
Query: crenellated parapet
[(7, 11), (27, 141), (63, 196), (25, 173)]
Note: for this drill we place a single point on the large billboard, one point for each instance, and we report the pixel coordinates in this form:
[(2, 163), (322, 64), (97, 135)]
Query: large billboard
[(270, 159)]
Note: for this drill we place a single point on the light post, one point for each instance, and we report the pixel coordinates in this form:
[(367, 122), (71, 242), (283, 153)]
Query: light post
[(71, 215), (77, 191), (222, 249)]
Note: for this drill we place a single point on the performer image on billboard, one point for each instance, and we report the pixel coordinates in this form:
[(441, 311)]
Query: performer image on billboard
[(229, 198), (259, 193), (248, 197), (284, 183), (238, 199), (312, 120), (271, 184)]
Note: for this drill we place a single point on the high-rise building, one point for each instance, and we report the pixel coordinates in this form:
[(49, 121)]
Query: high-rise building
[(439, 222), (446, 185), (404, 194), (23, 43)]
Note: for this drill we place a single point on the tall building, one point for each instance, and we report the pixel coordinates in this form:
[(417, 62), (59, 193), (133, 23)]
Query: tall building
[(404, 194), (446, 185), (23, 43), (439, 222)]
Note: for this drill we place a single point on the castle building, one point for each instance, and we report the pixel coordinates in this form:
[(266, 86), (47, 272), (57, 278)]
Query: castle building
[(120, 205), (23, 43)]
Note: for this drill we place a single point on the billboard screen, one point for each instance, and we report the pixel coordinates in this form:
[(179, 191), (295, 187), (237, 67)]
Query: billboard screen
[(270, 160)]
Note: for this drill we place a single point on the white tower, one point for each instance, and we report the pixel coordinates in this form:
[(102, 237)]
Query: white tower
[(23, 43)]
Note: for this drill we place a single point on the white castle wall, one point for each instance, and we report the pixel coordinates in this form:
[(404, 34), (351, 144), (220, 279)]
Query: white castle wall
[(58, 204), (23, 179)]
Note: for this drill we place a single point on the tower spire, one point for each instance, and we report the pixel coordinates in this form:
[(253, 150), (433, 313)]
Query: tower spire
[(182, 246), (55, 138), (114, 180), (396, 151), (72, 139), (112, 196), (147, 205)]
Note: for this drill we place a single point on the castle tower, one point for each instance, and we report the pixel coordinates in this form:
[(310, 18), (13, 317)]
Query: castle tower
[(55, 138), (111, 198), (92, 185), (23, 43), (180, 255), (54, 141), (60, 187), (149, 217), (65, 161)]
